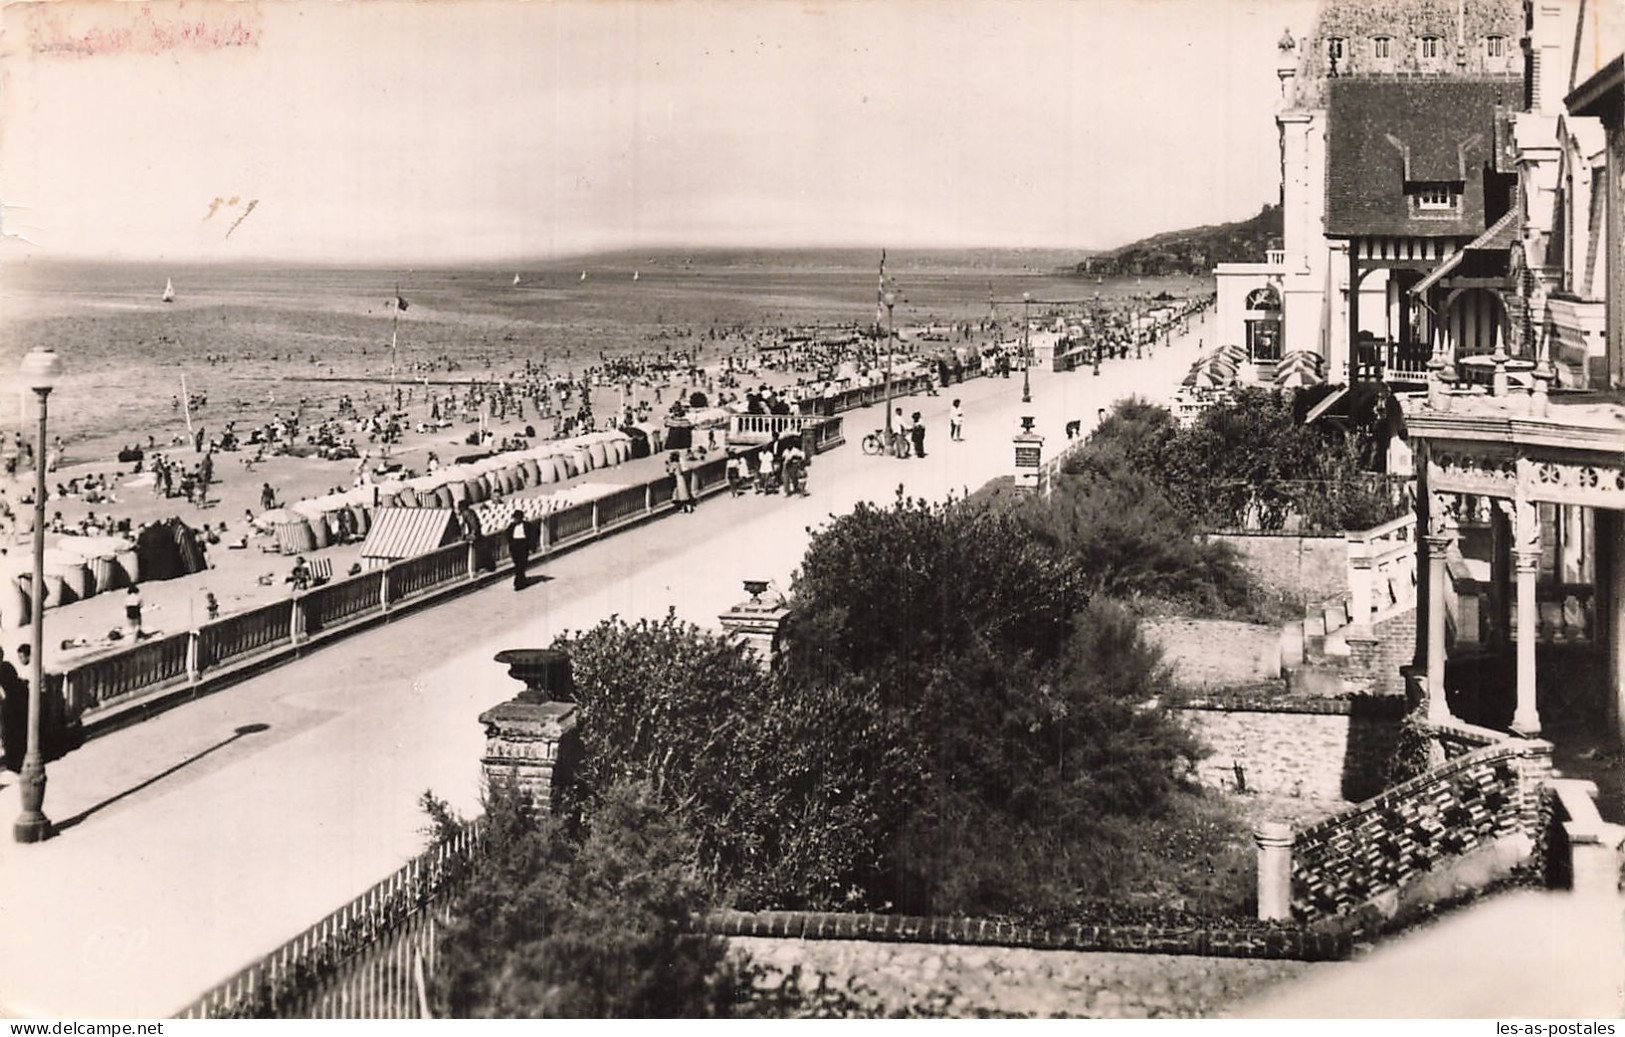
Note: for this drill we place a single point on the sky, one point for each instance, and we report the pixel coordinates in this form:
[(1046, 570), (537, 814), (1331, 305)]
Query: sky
[(428, 131)]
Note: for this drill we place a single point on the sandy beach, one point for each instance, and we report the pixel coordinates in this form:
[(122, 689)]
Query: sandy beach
[(255, 345)]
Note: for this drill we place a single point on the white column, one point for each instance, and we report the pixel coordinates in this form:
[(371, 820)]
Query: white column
[(1438, 547), (1526, 720), (1274, 839), (1610, 628), (1526, 563)]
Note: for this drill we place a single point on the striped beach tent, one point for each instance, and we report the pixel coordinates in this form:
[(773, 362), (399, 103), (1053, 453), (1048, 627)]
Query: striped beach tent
[(398, 533)]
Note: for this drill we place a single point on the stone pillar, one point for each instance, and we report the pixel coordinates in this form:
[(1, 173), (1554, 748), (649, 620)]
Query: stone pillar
[(1274, 839), (1526, 720), (1609, 620), (1359, 553), (531, 739), (1438, 549), (757, 622), (1029, 457)]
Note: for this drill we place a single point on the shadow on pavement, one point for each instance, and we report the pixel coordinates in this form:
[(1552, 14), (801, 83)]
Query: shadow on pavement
[(241, 732)]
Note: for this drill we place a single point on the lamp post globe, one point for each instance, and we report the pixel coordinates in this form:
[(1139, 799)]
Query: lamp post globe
[(40, 371), (1026, 348)]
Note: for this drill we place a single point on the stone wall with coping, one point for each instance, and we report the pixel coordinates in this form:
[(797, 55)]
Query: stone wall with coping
[(922, 980), (1319, 749), (1212, 939), (1304, 570)]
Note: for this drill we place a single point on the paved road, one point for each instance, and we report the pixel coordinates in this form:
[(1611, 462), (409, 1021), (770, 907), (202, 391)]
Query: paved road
[(1528, 954), (199, 840)]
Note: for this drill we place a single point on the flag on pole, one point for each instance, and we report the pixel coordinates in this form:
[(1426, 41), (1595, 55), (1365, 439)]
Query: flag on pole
[(880, 292)]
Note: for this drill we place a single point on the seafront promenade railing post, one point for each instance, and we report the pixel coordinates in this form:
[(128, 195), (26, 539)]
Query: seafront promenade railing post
[(296, 620), (192, 656)]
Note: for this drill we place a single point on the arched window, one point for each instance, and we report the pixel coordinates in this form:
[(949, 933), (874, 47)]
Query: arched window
[(1429, 48), (1336, 48), (1382, 48), (1264, 324), (1495, 47), (1265, 298)]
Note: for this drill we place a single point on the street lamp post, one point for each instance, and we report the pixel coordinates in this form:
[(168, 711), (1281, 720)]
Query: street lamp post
[(890, 299), (40, 370), (1100, 332), (1026, 349)]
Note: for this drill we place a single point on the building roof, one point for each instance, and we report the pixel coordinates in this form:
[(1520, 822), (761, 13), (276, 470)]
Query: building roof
[(1499, 238), (1460, 25), (1385, 132)]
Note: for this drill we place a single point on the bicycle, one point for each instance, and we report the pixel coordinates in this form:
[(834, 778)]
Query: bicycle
[(875, 442)]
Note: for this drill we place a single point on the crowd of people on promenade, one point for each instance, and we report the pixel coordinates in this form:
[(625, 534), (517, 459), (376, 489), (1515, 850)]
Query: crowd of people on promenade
[(750, 370)]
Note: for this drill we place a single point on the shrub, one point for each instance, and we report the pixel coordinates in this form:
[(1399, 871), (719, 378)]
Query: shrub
[(1130, 542), (790, 786), (590, 925)]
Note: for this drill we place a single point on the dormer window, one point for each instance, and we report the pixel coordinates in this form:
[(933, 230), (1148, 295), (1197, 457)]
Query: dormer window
[(1428, 48), (1435, 195), (1382, 48)]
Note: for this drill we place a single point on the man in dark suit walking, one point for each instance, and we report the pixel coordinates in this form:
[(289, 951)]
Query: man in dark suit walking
[(519, 548)]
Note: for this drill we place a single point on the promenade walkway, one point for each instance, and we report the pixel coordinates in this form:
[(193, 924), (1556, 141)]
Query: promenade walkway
[(194, 842)]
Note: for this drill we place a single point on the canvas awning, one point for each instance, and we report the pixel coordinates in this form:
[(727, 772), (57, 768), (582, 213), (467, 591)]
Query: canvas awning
[(408, 532)]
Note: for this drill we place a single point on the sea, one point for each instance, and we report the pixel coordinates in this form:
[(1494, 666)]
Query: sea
[(254, 340)]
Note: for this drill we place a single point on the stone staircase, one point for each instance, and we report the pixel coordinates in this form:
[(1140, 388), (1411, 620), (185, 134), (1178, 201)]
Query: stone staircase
[(1325, 654)]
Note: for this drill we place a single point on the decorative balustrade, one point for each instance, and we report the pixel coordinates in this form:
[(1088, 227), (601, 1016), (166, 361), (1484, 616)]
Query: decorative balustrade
[(245, 633), (438, 568), (330, 606), (150, 664), (623, 504), (1382, 570), (571, 523), (1378, 846)]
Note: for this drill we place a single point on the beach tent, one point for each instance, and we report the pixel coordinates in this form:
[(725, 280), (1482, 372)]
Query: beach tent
[(638, 441), (110, 559), (13, 598), (166, 550), (67, 578), (399, 533), (291, 529)]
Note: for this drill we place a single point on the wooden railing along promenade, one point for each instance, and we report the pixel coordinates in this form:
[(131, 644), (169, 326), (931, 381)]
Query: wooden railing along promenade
[(111, 689)]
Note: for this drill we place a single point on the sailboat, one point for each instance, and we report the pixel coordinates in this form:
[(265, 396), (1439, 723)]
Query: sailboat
[(169, 290), (583, 275), (516, 280), (634, 275)]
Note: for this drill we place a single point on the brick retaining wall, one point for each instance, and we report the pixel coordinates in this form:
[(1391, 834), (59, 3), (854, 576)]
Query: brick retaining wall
[(1299, 943), (1392, 646), (1485, 803)]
